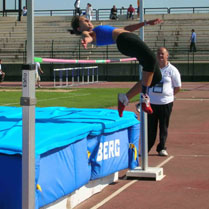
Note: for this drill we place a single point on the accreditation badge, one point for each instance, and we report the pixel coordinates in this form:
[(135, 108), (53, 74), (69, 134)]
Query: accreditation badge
[(158, 88)]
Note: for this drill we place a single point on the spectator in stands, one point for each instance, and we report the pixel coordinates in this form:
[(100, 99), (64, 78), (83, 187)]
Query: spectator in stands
[(113, 13), (138, 12), (2, 74), (130, 12), (128, 44), (122, 10), (24, 11), (37, 74), (161, 99), (193, 39), (138, 7), (77, 7), (89, 11)]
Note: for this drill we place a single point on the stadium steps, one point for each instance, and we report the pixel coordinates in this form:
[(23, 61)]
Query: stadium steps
[(50, 32)]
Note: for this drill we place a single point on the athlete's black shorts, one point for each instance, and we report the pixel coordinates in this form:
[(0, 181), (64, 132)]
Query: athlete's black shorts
[(131, 45)]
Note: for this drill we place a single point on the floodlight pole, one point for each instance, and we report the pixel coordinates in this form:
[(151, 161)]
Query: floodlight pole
[(28, 102)]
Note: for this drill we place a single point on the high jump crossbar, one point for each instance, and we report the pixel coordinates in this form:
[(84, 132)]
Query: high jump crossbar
[(51, 60)]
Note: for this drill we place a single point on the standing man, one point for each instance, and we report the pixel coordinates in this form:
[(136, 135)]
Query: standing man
[(77, 7), (161, 99), (89, 12), (24, 11), (193, 39), (138, 7), (2, 74), (38, 78)]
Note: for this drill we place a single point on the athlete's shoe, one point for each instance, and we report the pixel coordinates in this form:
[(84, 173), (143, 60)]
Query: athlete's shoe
[(122, 102), (163, 152), (146, 107)]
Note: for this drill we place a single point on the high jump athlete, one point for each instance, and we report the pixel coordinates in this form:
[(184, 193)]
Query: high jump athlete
[(128, 44)]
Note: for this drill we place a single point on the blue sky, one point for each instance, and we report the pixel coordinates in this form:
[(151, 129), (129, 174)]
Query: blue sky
[(68, 4), (96, 4)]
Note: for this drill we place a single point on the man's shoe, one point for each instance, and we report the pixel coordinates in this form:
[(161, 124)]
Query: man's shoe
[(146, 107), (138, 107), (163, 152)]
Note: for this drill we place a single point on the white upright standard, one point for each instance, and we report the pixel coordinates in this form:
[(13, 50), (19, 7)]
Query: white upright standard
[(28, 102), (144, 171)]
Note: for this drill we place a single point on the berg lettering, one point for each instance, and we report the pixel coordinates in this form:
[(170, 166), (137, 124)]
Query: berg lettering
[(108, 149)]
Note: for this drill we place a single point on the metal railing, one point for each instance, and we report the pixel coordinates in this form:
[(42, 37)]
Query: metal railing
[(191, 10), (104, 14), (189, 61), (176, 55)]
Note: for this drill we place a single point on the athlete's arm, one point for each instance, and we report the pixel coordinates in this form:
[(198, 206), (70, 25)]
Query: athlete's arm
[(86, 39), (141, 24)]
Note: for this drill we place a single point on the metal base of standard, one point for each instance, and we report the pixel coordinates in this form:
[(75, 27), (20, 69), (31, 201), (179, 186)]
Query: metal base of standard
[(151, 173)]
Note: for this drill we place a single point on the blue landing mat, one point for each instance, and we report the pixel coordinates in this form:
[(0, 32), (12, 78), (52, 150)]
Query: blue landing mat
[(72, 147)]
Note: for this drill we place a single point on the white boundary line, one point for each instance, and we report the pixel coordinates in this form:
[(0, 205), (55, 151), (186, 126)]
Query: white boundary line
[(192, 99), (114, 194), (165, 161), (41, 100), (125, 187), (192, 155)]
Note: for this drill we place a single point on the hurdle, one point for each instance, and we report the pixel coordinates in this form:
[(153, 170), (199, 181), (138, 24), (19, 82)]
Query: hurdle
[(77, 76)]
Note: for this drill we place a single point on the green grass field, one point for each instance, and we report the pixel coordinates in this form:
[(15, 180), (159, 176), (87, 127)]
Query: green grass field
[(79, 98)]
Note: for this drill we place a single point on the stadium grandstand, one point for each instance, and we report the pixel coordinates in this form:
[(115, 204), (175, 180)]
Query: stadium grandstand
[(52, 39)]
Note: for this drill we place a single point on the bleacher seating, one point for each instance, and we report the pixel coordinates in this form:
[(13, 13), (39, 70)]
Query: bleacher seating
[(51, 38)]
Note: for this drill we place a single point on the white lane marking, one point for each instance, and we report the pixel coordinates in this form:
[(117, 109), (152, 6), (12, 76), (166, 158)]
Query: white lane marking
[(125, 187), (165, 161), (192, 99), (114, 194), (191, 155)]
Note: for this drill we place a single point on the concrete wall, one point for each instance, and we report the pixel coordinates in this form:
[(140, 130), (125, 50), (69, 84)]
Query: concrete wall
[(112, 72)]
